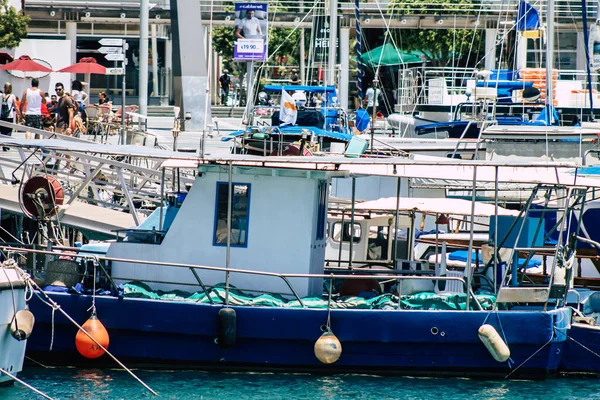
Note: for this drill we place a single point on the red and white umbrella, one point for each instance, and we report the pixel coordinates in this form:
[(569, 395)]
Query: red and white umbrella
[(25, 64), (87, 65)]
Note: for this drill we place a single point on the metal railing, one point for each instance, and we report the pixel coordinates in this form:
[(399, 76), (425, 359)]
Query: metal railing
[(193, 268)]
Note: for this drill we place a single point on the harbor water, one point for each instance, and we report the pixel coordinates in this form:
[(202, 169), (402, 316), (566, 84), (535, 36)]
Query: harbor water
[(92, 384)]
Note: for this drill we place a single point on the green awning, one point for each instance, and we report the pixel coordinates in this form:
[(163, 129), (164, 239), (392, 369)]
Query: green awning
[(388, 55)]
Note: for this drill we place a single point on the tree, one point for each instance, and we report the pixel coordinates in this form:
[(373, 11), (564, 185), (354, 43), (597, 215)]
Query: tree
[(439, 46), (13, 25)]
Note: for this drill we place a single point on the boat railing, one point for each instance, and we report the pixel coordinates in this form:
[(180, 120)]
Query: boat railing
[(61, 251)]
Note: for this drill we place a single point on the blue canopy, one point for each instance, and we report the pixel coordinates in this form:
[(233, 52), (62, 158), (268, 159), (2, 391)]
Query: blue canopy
[(289, 88), (297, 131), (591, 170)]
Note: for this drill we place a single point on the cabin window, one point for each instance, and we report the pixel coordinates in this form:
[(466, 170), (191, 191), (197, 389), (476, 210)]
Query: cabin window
[(239, 214), (347, 232), (322, 210), (378, 243)]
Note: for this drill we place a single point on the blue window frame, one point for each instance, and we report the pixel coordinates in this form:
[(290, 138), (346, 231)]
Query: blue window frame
[(240, 212)]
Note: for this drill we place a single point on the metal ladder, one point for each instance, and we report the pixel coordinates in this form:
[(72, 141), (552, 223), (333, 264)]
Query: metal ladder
[(515, 290)]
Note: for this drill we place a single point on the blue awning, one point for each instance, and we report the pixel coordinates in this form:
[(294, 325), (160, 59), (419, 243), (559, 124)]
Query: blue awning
[(297, 131), (288, 88), (591, 170)]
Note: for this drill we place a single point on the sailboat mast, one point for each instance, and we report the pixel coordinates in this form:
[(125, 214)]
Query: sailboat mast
[(333, 25), (550, 60)]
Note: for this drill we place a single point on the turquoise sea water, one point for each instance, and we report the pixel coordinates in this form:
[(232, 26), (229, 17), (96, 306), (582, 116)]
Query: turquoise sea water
[(77, 383)]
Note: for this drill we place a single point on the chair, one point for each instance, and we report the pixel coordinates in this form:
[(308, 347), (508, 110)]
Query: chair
[(452, 286), (92, 118), (128, 118), (104, 119)]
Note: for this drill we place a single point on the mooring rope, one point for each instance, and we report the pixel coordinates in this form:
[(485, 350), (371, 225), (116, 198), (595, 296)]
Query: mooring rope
[(28, 386), (55, 306), (584, 346), (531, 356)]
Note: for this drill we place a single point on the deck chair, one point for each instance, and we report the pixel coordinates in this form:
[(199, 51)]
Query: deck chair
[(92, 119), (452, 286), (104, 120)]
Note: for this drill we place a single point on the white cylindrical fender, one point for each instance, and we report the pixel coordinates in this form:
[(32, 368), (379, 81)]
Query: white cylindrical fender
[(22, 324), (494, 343)]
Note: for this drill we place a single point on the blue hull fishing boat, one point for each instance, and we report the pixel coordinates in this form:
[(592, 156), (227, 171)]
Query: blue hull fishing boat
[(227, 278), (414, 342)]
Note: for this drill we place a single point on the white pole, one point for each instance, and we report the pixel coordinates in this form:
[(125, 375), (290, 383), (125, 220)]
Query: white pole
[(344, 86), (155, 90), (333, 24), (143, 80)]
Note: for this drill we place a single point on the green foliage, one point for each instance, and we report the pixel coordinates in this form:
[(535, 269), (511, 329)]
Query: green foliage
[(289, 46), (441, 47), (407, 7), (222, 40), (13, 25)]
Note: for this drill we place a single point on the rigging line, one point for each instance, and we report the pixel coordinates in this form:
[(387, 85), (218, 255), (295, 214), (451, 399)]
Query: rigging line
[(55, 306), (477, 21), (11, 235), (584, 346), (531, 356), (28, 386), (264, 64)]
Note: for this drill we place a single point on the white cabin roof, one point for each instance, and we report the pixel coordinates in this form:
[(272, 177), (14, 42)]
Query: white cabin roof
[(432, 206)]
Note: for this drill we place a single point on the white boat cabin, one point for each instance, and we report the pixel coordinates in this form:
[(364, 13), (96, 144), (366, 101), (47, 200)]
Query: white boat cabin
[(278, 225)]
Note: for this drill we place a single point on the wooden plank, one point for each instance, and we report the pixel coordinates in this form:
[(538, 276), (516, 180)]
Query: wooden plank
[(523, 295)]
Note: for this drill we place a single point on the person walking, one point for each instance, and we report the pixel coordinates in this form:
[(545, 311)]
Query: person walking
[(65, 111), (224, 83), (294, 78), (7, 109), (32, 103), (372, 98)]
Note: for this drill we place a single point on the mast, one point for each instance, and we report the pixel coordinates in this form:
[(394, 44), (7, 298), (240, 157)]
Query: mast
[(333, 26), (550, 61), (358, 49)]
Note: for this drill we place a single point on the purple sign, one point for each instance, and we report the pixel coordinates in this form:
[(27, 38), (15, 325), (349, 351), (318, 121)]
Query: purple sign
[(251, 32)]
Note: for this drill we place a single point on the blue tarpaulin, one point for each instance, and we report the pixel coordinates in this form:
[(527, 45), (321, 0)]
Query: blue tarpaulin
[(362, 119)]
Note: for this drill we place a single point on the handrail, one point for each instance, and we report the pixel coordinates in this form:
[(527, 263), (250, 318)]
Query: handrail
[(284, 277)]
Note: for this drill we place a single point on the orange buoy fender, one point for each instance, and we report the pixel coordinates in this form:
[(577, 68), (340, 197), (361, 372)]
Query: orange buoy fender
[(86, 346), (494, 343)]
